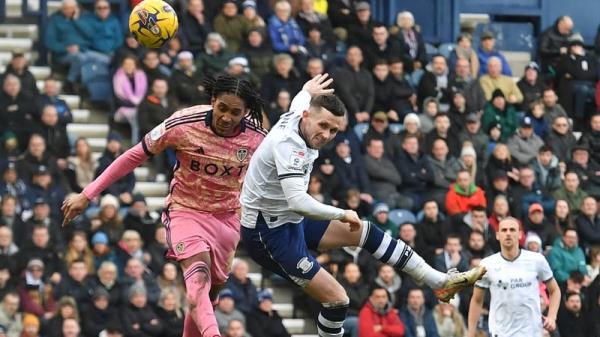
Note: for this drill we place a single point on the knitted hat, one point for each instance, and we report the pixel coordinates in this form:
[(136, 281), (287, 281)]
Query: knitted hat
[(100, 237), (31, 319), (468, 151), (109, 200), (497, 93), (412, 117)]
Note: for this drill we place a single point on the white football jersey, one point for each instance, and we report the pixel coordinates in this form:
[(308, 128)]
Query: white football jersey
[(283, 153), (514, 285)]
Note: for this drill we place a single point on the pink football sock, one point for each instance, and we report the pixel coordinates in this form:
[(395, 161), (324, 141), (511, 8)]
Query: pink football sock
[(189, 326), (198, 283)]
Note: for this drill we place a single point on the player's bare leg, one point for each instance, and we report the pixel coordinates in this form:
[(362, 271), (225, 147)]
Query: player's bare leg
[(398, 254), (200, 321), (334, 303)]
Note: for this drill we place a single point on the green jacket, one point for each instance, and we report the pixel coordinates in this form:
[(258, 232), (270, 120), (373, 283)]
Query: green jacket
[(507, 119), (388, 227), (565, 260), (212, 64), (573, 199), (233, 29)]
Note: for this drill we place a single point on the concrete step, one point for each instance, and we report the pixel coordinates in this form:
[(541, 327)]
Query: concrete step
[(155, 203), (141, 173), (517, 61), (13, 7), (297, 325), (470, 20), (6, 56), (88, 130), (97, 143), (151, 189), (285, 310), (40, 73), (73, 101), (15, 44), (19, 30), (80, 115)]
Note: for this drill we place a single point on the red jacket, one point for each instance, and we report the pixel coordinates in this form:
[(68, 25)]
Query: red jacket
[(458, 201), (391, 324)]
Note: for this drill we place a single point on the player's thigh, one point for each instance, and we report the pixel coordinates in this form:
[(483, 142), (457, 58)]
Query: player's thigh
[(338, 235), (325, 288)]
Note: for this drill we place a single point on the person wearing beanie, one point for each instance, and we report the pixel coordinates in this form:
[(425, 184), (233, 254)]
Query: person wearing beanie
[(469, 161), (380, 218), (226, 310), (531, 85), (138, 218), (533, 242), (524, 144), (547, 169), (101, 249), (264, 321), (494, 79), (137, 317), (31, 325), (498, 111)]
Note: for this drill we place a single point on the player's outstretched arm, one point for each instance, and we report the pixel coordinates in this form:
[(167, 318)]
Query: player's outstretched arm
[(123, 165), (475, 310), (554, 292)]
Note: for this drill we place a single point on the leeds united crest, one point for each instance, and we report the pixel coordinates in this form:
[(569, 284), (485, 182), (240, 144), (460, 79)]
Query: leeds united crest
[(241, 154)]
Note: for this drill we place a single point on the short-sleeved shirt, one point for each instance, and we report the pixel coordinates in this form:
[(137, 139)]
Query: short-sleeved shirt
[(210, 169), (283, 154), (514, 286)]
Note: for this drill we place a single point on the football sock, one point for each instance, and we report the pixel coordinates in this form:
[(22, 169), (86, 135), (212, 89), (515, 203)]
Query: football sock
[(331, 319), (189, 326), (198, 283)]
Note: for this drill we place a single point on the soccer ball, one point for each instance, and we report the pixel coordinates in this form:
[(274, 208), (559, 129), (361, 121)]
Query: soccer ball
[(153, 22)]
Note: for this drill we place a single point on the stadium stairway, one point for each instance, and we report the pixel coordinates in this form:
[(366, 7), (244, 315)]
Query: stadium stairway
[(92, 124)]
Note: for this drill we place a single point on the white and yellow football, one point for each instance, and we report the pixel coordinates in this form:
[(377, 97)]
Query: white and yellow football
[(153, 23)]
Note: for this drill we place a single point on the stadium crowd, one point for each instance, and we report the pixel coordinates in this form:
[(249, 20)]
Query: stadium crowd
[(437, 150)]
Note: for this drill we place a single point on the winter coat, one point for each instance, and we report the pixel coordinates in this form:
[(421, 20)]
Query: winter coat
[(233, 29), (36, 302), (484, 56), (193, 34), (589, 176), (264, 324), (212, 64), (355, 89), (479, 141), (541, 127), (13, 325), (125, 184), (428, 323), (105, 36), (565, 260), (62, 108), (524, 149), (284, 34), (273, 82), (451, 140), (389, 226), (61, 32), (172, 322), (373, 52), (244, 294), (591, 140), (131, 315), (28, 81), (504, 83), (185, 87), (420, 52), (573, 199), (358, 293), (416, 173), (129, 95), (223, 318), (428, 87), (353, 174), (471, 89), (589, 230), (440, 263), (547, 177), (531, 92), (80, 291), (57, 139), (260, 60), (383, 175), (95, 320), (507, 119), (528, 196), (461, 201), (444, 172), (391, 325), (16, 115), (550, 43), (562, 145), (433, 235), (152, 112)]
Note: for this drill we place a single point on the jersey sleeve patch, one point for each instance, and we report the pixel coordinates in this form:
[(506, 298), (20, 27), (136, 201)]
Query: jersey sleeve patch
[(297, 158), (157, 132)]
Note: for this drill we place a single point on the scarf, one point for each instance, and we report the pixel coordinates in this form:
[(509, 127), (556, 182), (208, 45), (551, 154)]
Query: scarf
[(411, 40), (418, 315)]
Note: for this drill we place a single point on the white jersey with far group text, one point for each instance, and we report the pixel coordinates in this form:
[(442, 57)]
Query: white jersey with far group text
[(514, 286), (282, 154)]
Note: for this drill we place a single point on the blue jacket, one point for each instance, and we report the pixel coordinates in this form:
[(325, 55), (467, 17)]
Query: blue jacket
[(410, 328), (483, 60), (244, 294), (284, 34), (61, 32), (104, 36)]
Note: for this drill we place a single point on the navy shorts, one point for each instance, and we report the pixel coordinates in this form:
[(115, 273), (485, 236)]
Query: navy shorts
[(284, 250)]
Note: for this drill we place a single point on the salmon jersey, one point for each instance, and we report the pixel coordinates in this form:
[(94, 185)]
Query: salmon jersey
[(210, 169)]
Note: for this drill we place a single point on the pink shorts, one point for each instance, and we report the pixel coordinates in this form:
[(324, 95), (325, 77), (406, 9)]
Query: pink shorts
[(190, 233)]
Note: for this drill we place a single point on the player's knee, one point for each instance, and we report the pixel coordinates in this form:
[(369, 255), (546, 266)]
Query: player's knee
[(339, 295)]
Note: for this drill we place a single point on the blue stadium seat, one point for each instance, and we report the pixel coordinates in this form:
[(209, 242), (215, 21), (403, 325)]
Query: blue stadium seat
[(96, 80), (446, 49), (509, 35), (430, 50), (360, 130), (400, 216), (396, 128)]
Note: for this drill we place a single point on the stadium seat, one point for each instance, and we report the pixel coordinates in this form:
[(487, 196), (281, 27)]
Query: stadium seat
[(360, 130), (400, 216), (97, 81), (396, 128), (446, 49)]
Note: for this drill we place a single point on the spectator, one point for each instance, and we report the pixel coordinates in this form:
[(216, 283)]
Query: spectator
[(381, 46), (79, 250), (380, 218), (566, 256), (123, 187), (452, 256), (537, 223), (235, 329), (81, 166), (7, 247), (448, 321), (10, 317), (216, 55), (100, 314), (249, 12), (352, 170), (591, 138), (572, 319), (412, 43), (587, 169), (31, 325), (435, 83), (403, 95), (264, 321), (40, 249), (258, 53), (524, 144), (152, 67), (101, 249), (66, 308), (529, 191), (44, 188), (17, 109), (533, 243), (355, 87), (71, 328), (40, 217), (185, 81), (353, 201), (588, 223), (156, 107), (379, 129), (232, 26), (432, 230), (445, 170), (464, 195), (357, 291), (131, 246), (9, 217), (332, 182), (388, 279), (108, 219), (50, 97), (430, 109), (342, 13), (106, 278), (170, 313), (138, 218), (461, 80), (441, 130), (279, 107), (487, 49), (475, 220), (238, 68), (384, 177), (468, 160), (530, 85), (499, 186), (308, 18), (226, 311), (593, 266), (577, 76), (316, 47), (382, 88), (35, 292), (54, 133), (76, 284), (284, 76), (494, 80), (102, 30), (168, 57), (18, 66), (412, 125), (416, 317), (378, 318), (170, 278), (464, 50), (286, 36), (130, 47), (547, 170), (136, 277), (477, 248), (244, 292), (157, 248), (554, 42), (500, 160), (561, 139), (536, 112), (458, 111), (129, 84), (571, 191), (137, 315), (552, 108), (472, 133), (563, 218), (361, 25), (499, 111), (195, 26)]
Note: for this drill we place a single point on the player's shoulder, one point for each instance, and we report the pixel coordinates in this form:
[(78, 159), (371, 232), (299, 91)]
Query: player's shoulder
[(491, 259), (255, 128), (193, 114), (531, 256)]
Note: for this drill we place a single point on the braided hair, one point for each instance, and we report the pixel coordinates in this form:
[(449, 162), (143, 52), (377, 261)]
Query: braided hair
[(227, 84)]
